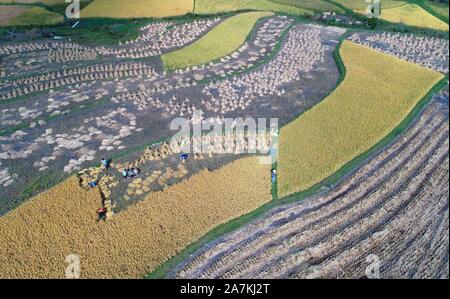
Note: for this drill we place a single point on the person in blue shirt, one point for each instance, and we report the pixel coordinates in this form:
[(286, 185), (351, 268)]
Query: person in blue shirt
[(183, 157), (105, 163)]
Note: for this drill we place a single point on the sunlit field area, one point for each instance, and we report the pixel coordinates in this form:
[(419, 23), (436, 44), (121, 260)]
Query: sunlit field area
[(226, 139)]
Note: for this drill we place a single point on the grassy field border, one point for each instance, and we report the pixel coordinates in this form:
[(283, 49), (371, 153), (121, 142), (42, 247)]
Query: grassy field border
[(234, 224), (315, 190)]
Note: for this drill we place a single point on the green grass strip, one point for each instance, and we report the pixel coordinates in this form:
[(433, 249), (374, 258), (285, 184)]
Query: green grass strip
[(222, 40)]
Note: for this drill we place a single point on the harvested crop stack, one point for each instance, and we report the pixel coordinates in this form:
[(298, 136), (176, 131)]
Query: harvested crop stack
[(89, 175), (394, 208), (37, 236)]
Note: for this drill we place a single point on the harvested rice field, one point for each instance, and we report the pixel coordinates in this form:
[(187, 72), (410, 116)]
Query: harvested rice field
[(222, 139), (395, 207)]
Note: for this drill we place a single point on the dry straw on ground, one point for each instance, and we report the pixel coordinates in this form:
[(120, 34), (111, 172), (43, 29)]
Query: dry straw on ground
[(37, 236)]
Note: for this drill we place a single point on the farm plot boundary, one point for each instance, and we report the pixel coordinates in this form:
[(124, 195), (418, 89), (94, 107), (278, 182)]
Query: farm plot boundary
[(223, 39), (322, 187), (352, 119), (171, 219)]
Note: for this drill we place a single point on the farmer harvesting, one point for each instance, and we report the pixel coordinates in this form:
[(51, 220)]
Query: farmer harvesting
[(106, 163), (274, 176), (183, 157), (101, 214)]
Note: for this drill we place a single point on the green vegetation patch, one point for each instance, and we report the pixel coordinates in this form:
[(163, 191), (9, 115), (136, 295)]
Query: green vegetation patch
[(220, 41), (440, 8), (35, 16)]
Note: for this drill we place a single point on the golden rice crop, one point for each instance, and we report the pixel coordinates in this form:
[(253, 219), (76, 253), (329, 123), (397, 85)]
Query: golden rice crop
[(220, 41), (414, 15), (377, 93), (137, 8), (38, 235), (362, 5), (313, 5), (217, 6)]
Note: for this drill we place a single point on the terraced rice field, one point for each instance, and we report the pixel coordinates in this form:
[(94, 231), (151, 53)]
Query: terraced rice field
[(313, 5), (113, 100), (224, 39), (218, 6), (394, 207), (8, 13), (50, 2), (362, 5), (137, 8), (63, 221), (440, 8), (414, 15), (352, 119), (64, 106), (11, 15)]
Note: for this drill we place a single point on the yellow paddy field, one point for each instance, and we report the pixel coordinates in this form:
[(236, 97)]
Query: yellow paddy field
[(39, 235), (217, 6), (377, 93), (137, 8), (414, 15)]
